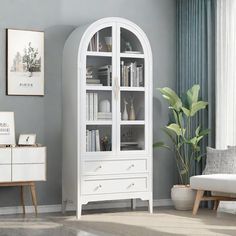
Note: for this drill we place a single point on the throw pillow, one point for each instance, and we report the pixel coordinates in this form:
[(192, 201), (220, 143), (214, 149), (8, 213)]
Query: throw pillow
[(220, 161)]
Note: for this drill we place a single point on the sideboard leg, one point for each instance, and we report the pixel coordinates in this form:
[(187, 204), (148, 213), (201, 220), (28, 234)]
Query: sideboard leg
[(33, 194), (22, 198), (150, 206), (133, 204)]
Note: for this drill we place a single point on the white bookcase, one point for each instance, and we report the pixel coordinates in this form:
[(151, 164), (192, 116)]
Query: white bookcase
[(107, 153)]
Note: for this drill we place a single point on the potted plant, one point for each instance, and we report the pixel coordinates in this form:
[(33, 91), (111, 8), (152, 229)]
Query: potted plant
[(185, 136)]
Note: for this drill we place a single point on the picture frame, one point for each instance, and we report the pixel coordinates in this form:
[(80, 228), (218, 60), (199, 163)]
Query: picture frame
[(25, 62), (7, 129), (27, 139)]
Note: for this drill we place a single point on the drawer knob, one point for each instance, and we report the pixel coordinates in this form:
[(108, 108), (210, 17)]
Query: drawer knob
[(131, 166), (131, 185), (98, 168), (98, 187)]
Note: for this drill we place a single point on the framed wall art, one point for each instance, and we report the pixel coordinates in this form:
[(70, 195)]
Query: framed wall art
[(25, 62), (7, 128)]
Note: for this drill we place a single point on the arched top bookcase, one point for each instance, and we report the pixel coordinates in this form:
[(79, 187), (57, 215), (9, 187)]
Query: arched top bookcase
[(107, 113)]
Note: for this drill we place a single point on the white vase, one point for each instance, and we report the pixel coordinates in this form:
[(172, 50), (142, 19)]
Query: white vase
[(105, 106), (183, 197), (125, 113)]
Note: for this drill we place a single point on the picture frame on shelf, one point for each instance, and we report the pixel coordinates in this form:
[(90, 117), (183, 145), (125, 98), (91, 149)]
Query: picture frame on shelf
[(25, 62), (27, 140), (7, 129)]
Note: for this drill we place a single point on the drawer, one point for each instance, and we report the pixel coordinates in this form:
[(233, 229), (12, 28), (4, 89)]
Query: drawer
[(114, 185), (114, 167), (5, 156), (5, 173), (28, 172), (28, 155)]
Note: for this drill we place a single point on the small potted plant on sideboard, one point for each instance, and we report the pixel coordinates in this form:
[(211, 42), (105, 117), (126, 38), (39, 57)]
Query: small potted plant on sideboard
[(185, 135)]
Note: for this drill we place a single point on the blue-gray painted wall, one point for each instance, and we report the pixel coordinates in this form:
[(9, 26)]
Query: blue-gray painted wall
[(42, 115)]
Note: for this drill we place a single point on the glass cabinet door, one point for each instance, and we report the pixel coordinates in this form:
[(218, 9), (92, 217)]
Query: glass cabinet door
[(132, 93), (99, 93)]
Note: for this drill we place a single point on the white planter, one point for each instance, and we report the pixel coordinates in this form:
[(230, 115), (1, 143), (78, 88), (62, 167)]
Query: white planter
[(183, 197)]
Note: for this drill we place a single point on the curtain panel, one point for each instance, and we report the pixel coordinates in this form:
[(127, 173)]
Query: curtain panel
[(196, 61), (226, 73)]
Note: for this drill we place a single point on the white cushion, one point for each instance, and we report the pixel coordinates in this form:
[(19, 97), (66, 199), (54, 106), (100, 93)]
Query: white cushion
[(216, 182)]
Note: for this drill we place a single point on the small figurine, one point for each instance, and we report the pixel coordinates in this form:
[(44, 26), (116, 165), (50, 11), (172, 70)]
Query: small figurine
[(128, 46), (125, 113), (132, 111)]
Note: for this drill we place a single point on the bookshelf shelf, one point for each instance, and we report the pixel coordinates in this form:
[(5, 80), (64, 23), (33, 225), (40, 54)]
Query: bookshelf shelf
[(104, 152), (99, 54), (131, 55), (132, 122), (132, 88), (98, 88), (99, 122)]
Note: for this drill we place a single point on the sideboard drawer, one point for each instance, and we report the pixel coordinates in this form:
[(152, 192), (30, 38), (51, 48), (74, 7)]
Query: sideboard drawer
[(28, 172), (28, 155), (114, 185), (114, 167), (5, 155), (5, 173)]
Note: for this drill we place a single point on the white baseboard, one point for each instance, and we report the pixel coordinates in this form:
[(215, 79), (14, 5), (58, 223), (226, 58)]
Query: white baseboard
[(91, 206)]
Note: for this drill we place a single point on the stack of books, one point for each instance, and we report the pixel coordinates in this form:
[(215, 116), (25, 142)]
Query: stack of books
[(92, 108), (92, 141), (132, 74), (90, 77), (129, 146), (104, 116), (105, 75)]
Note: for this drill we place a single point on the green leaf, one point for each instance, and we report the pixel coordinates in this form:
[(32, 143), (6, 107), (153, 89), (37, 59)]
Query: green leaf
[(172, 97), (186, 111), (204, 132), (197, 130), (169, 134), (192, 94), (161, 145), (176, 128), (197, 106)]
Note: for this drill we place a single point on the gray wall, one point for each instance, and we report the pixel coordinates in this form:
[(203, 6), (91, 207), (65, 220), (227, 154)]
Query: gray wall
[(42, 115)]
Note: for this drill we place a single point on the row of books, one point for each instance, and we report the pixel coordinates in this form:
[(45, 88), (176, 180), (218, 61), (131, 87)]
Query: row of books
[(92, 141), (132, 74), (92, 112), (94, 43)]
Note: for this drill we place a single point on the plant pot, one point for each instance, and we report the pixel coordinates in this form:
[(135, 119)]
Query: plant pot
[(183, 197)]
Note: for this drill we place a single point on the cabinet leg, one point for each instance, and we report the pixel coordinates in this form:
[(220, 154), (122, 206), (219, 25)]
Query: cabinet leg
[(133, 204), (34, 199), (22, 198), (79, 212), (150, 206)]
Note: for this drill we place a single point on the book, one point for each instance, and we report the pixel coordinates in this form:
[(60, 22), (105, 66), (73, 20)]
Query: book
[(93, 140), (98, 148), (87, 106), (91, 117), (95, 106), (104, 115), (87, 140)]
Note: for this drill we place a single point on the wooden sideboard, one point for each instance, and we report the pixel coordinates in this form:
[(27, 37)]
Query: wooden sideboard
[(22, 166)]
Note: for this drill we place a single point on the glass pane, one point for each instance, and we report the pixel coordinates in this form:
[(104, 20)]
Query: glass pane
[(132, 72), (98, 105), (129, 42), (98, 138), (101, 41), (99, 71), (132, 137), (132, 105)]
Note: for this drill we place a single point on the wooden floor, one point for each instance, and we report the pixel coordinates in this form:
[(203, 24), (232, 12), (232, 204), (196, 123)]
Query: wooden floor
[(132, 223)]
